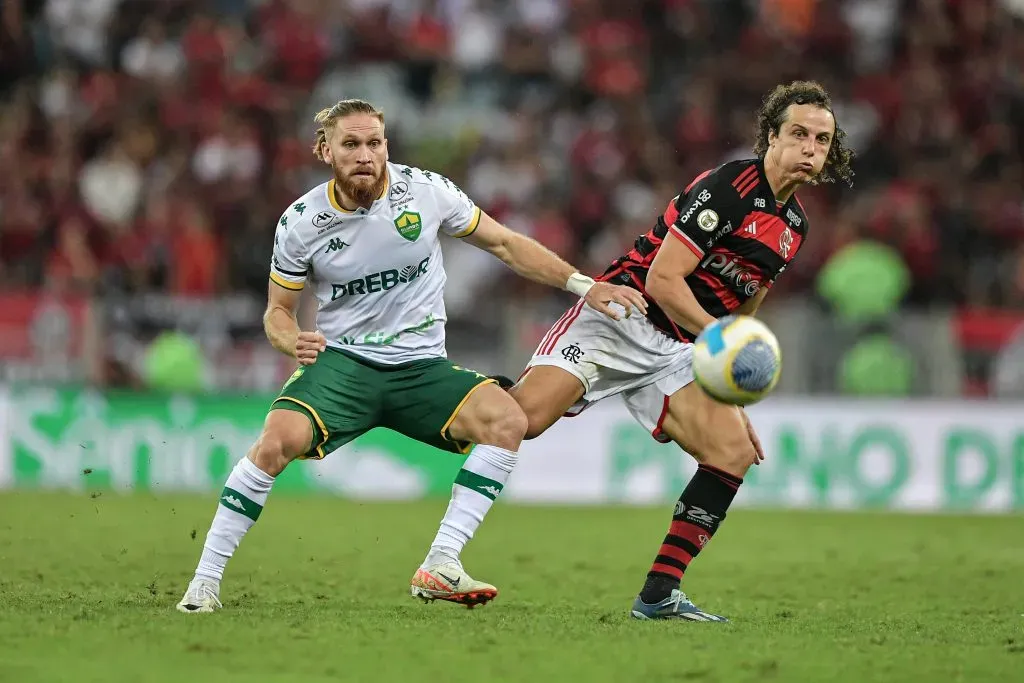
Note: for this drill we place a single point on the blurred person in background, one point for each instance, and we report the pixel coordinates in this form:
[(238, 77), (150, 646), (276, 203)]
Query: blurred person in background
[(570, 79)]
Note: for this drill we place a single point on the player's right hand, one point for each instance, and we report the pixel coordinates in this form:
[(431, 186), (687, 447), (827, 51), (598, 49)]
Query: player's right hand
[(604, 293), (308, 346)]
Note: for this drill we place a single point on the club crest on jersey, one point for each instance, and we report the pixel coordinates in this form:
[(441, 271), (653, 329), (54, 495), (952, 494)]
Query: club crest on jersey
[(785, 243), (707, 220), (409, 225), (325, 220)]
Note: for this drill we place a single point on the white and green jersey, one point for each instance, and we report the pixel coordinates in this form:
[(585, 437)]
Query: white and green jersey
[(377, 273)]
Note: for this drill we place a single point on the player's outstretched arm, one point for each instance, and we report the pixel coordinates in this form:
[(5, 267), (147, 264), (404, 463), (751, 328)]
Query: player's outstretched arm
[(666, 284), (282, 326), (532, 260)]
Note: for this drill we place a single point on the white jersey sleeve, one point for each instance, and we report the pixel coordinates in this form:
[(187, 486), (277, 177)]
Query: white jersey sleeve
[(459, 215), (289, 265)]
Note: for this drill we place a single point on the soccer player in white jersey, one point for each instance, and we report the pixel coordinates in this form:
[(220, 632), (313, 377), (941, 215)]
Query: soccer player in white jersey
[(367, 242)]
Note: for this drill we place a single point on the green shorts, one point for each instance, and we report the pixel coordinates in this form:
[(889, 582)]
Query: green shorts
[(345, 396)]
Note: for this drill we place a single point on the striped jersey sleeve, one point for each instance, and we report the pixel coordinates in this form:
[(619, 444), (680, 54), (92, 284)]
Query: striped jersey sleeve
[(700, 215)]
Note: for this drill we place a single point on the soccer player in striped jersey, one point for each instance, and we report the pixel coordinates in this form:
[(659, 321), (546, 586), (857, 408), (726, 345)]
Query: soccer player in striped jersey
[(717, 249)]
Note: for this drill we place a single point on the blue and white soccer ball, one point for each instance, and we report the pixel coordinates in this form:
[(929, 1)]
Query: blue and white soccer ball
[(736, 360)]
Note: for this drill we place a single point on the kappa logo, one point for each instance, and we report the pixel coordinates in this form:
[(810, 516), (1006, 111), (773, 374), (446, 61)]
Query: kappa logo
[(493, 490), (233, 502), (336, 245)]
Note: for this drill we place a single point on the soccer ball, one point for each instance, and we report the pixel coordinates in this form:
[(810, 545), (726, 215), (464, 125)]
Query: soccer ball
[(736, 360)]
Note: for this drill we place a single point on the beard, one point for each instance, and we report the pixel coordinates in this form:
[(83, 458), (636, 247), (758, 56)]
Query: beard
[(358, 188)]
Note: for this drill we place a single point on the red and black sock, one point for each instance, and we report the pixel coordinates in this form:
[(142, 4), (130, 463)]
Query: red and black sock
[(698, 513)]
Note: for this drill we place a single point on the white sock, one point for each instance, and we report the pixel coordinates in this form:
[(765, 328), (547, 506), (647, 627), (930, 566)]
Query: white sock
[(241, 502), (478, 483)]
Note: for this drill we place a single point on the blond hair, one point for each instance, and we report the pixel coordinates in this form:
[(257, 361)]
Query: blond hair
[(327, 118)]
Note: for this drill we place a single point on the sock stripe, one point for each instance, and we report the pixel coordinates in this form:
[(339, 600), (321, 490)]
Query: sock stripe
[(685, 544), (482, 485), (674, 552), (666, 570), (240, 503), (724, 476), (700, 510), (691, 532)]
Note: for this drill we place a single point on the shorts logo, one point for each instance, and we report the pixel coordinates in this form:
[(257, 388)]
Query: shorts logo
[(572, 353), (295, 375)]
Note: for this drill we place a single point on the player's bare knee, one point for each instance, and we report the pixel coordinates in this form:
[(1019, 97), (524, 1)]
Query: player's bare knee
[(506, 427), (269, 454), (286, 435), (538, 421), (731, 451), (539, 415), (491, 417)]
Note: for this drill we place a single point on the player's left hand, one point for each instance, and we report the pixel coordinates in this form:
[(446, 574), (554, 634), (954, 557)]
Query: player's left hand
[(758, 448), (603, 293)]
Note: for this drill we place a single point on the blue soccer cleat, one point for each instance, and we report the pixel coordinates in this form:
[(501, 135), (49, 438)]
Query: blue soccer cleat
[(675, 606)]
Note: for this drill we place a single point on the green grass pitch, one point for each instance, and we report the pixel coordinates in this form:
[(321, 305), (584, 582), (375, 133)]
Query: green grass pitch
[(319, 592)]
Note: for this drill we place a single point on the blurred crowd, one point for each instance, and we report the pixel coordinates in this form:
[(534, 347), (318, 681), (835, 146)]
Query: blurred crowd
[(150, 145)]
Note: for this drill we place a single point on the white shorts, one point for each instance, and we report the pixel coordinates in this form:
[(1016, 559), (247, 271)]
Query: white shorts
[(628, 356)]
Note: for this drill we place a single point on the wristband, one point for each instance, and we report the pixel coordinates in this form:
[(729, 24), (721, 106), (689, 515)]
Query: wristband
[(579, 284)]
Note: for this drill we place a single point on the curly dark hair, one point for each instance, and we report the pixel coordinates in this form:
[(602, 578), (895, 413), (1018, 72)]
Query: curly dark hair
[(773, 113)]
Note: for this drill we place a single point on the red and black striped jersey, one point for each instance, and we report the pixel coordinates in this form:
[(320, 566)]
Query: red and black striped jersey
[(729, 218)]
